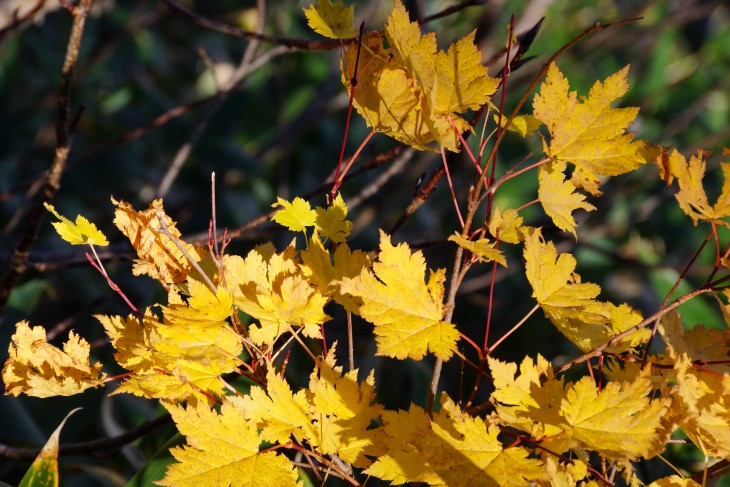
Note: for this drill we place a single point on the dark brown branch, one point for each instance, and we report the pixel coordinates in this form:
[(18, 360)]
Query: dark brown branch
[(19, 255), (246, 34), (20, 20), (93, 447)]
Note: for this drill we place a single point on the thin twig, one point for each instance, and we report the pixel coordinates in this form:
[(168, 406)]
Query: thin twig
[(93, 447), (19, 255)]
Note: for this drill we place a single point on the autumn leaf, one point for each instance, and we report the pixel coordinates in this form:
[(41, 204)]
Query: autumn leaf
[(326, 271), (296, 216), (482, 248), (507, 226), (674, 481), (701, 393), (618, 420), (159, 257), (332, 20), (571, 304), (411, 90), (223, 449), (587, 132), (342, 413), (407, 313), (37, 368), (275, 292), (524, 125), (79, 233), (183, 355), (691, 195), (558, 196), (332, 223), (454, 449)]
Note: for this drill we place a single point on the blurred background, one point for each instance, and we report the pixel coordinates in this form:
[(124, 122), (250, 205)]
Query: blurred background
[(157, 120)]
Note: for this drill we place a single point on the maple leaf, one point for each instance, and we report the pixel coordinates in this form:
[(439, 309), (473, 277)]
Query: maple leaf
[(159, 257), (454, 449), (334, 414), (296, 216), (407, 313), (275, 292), (482, 248), (223, 449), (558, 196), (38, 369), (691, 195), (79, 233), (332, 20), (570, 304), (619, 420), (326, 271), (588, 132), (332, 223), (185, 354), (507, 226), (702, 394), (524, 125), (411, 90), (342, 411), (674, 481)]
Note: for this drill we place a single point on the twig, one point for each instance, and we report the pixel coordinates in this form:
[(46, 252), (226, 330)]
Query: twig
[(245, 34), (19, 255), (20, 20), (92, 447)]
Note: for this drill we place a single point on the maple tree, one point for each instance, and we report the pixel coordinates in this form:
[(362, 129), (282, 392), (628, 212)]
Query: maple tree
[(228, 315)]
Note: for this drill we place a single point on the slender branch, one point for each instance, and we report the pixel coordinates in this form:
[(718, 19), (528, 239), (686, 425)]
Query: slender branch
[(245, 34), (93, 447), (19, 255), (615, 339)]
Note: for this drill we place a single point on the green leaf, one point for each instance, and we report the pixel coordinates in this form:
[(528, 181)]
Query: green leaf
[(44, 471), (156, 466)]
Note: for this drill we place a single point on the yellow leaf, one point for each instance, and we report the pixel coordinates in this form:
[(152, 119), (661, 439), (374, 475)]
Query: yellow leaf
[(407, 313), (38, 369), (332, 20), (277, 411), (558, 196), (223, 449), (571, 305), (702, 394), (342, 411), (318, 266), (296, 216), (411, 90), (276, 293), (588, 132), (182, 356), (159, 257), (79, 233), (522, 124), (332, 222), (674, 481), (618, 420), (507, 226), (482, 248), (454, 449), (691, 195)]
